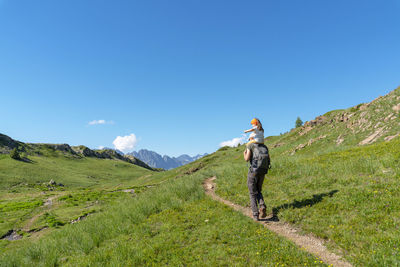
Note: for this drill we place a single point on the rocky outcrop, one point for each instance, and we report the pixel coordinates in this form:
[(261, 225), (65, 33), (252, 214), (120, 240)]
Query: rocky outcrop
[(309, 143), (344, 117), (309, 125), (339, 140), (7, 144), (84, 151), (391, 116), (63, 148), (396, 108), (373, 137), (388, 138), (305, 130), (317, 121), (364, 106)]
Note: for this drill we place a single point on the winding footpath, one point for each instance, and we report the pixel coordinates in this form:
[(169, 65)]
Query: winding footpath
[(309, 243)]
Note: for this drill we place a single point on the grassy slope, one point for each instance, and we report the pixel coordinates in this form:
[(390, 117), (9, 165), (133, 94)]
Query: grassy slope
[(350, 198), (343, 193), (89, 184), (72, 172), (172, 223), (347, 194)]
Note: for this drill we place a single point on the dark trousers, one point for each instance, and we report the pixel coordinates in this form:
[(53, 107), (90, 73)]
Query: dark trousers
[(254, 183)]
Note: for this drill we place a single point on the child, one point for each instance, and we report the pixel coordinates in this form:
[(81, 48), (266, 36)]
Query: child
[(257, 135)]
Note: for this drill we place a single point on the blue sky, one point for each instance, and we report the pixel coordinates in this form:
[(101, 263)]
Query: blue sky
[(183, 76)]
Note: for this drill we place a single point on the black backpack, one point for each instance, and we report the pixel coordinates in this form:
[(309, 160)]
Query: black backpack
[(260, 160)]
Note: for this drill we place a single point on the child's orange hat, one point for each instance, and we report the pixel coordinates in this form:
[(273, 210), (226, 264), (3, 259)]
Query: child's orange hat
[(254, 121)]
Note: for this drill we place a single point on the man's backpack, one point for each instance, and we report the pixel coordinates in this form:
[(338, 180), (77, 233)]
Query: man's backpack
[(260, 160)]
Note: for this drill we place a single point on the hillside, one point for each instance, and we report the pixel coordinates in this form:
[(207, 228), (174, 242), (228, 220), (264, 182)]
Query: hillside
[(336, 177), (28, 149), (90, 179), (362, 124)]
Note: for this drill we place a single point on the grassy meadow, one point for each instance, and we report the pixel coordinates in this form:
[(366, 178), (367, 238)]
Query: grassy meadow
[(337, 177), (82, 186), (348, 197), (171, 223)]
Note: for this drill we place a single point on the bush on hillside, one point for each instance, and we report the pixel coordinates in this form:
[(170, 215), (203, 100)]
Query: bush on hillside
[(14, 154), (223, 148), (299, 122)]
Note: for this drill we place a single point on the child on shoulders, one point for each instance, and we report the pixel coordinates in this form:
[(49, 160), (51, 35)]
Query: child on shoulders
[(257, 132)]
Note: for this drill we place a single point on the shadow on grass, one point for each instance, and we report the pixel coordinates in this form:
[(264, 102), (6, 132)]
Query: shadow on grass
[(26, 160), (300, 204)]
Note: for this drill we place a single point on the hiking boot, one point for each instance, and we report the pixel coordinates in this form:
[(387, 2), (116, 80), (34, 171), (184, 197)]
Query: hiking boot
[(255, 217), (263, 212)]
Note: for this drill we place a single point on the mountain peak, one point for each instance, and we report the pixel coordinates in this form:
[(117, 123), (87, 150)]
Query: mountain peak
[(156, 160)]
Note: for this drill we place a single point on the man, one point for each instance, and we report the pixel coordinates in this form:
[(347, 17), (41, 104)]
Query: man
[(259, 159)]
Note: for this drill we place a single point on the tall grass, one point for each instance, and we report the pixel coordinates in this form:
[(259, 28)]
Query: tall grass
[(117, 220), (172, 224), (350, 198)]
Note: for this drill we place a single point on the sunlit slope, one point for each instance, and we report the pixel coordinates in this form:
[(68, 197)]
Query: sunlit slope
[(52, 185), (362, 124), (349, 198), (172, 223), (337, 177), (70, 171)]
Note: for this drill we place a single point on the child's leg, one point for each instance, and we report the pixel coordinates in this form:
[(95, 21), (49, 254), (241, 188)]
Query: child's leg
[(251, 142)]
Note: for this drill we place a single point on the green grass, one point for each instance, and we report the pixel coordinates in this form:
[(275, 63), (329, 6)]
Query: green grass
[(350, 198), (174, 224), (6, 206), (347, 197), (345, 194), (88, 184), (72, 172)]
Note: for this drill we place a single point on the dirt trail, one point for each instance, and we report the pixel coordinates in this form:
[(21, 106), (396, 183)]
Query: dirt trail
[(310, 243), (48, 204)]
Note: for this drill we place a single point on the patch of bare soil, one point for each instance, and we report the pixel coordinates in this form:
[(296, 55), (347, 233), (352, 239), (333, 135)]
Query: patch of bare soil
[(310, 243)]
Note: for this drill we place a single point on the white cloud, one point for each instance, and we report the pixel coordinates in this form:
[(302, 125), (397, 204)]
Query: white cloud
[(125, 143), (100, 147), (234, 142), (95, 122)]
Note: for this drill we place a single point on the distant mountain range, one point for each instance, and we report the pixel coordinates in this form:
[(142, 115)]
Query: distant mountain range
[(7, 144), (143, 158), (155, 160)]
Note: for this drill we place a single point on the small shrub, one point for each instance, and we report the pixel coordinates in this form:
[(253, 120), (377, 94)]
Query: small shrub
[(14, 154)]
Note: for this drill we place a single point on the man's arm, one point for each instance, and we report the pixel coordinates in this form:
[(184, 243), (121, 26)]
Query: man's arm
[(247, 154)]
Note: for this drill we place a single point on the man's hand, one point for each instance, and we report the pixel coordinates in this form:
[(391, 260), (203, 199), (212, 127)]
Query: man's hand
[(247, 154)]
